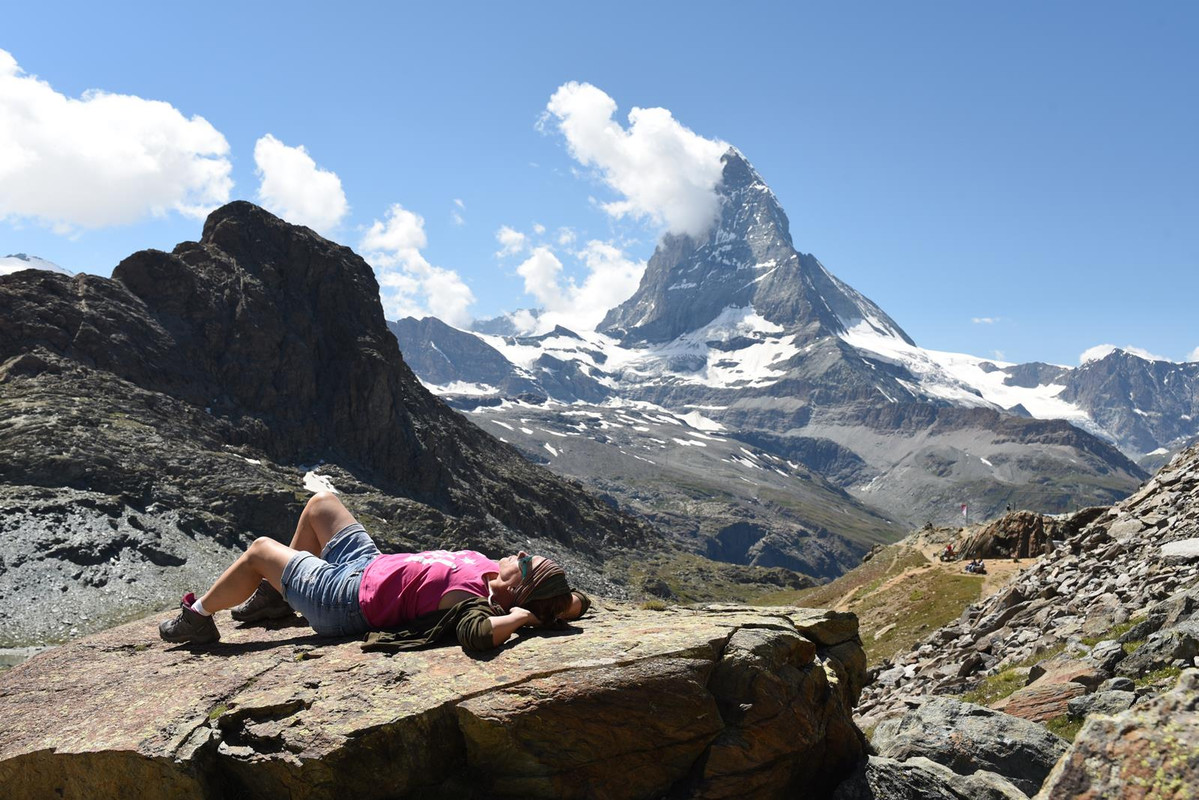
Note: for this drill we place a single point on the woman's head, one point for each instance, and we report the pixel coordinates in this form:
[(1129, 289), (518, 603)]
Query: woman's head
[(537, 584)]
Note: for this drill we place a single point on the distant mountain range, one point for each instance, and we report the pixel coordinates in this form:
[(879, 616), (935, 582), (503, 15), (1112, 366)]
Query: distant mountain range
[(16, 262), (738, 335)]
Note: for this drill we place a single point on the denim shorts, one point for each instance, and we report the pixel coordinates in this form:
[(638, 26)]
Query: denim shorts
[(325, 589)]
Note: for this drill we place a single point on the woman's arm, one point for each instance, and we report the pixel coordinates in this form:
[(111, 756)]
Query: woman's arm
[(505, 625)]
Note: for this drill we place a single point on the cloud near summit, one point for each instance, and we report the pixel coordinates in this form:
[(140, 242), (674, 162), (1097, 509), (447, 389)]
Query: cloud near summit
[(295, 188), (409, 285), (664, 171)]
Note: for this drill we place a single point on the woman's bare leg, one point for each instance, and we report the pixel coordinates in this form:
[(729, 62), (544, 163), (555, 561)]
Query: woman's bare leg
[(265, 558), (322, 518)]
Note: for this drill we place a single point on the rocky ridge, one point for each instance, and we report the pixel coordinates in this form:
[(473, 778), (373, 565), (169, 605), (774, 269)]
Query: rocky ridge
[(1099, 630), (706, 703)]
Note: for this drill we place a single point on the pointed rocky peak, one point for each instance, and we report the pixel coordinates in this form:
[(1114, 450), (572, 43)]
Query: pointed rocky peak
[(746, 260)]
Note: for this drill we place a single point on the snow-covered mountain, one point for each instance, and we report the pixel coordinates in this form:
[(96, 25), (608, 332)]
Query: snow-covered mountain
[(16, 262), (759, 338)]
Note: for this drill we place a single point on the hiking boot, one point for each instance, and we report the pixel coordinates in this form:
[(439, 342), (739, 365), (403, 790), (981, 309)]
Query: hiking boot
[(265, 603), (190, 626)]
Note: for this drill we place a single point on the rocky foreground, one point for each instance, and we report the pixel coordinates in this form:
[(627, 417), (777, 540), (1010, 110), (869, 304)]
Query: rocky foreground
[(716, 702), (1102, 632)]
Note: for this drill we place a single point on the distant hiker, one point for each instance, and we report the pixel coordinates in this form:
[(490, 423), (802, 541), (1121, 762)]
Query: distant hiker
[(947, 553), (336, 577), (976, 567)]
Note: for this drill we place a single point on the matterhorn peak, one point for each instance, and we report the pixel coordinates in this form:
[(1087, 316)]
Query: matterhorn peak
[(746, 260)]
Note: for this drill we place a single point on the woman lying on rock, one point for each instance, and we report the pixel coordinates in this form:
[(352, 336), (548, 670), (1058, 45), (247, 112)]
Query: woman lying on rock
[(336, 577)]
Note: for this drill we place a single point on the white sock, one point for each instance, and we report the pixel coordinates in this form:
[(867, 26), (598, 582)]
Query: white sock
[(198, 607)]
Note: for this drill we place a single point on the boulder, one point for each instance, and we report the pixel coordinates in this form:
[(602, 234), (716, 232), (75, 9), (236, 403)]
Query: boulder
[(1057, 682), (1147, 751), (1041, 703), (1162, 649), (968, 738), (921, 779), (1110, 702), (1017, 534), (727, 702)]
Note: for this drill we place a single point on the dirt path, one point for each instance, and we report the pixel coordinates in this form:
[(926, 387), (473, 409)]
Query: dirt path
[(998, 573), (844, 601)]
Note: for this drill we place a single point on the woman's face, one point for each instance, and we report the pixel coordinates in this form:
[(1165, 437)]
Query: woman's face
[(511, 572)]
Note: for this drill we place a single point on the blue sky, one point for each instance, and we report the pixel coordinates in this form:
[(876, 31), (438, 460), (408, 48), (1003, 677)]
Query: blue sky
[(1013, 180)]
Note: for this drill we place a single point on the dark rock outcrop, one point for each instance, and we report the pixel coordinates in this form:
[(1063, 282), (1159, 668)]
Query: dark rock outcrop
[(706, 703), (919, 778)]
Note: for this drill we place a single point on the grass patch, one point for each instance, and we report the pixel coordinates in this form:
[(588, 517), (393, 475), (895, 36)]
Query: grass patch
[(1114, 632), (1163, 675), (1132, 647), (653, 605), (216, 712), (1015, 676), (687, 578), (997, 687), (894, 619), (1065, 726)]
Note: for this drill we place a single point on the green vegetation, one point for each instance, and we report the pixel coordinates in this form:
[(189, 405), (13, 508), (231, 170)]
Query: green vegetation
[(216, 712), (998, 686), (886, 564), (1165, 676), (686, 578), (1065, 726), (895, 618), (1114, 632), (653, 605)]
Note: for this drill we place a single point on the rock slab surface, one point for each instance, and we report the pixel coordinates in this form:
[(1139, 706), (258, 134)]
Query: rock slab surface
[(715, 702)]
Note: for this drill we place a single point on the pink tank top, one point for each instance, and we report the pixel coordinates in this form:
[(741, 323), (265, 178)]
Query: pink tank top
[(400, 587)]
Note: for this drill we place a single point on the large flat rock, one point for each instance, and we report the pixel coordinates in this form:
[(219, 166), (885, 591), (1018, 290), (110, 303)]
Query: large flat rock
[(717, 702)]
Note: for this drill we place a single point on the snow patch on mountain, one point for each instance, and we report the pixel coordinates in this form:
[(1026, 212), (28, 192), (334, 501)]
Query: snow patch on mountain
[(16, 262), (460, 388), (966, 380)]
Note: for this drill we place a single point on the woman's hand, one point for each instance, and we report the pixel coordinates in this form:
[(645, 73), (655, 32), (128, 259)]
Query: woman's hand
[(504, 625)]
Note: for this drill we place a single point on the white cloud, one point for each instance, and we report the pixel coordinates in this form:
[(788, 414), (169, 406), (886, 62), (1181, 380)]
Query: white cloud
[(102, 159), (512, 241), (611, 279), (295, 188), (985, 320), (456, 212), (538, 228), (541, 272), (1101, 351), (664, 171), (409, 285), (1194, 356), (566, 237)]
